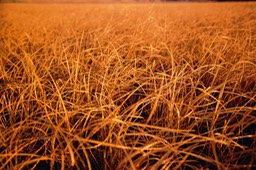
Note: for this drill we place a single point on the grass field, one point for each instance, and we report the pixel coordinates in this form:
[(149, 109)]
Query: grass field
[(128, 86)]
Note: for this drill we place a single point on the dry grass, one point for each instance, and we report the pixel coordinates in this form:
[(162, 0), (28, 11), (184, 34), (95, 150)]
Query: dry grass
[(128, 86)]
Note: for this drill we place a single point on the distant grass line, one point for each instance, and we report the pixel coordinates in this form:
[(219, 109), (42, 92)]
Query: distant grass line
[(128, 86), (78, 1)]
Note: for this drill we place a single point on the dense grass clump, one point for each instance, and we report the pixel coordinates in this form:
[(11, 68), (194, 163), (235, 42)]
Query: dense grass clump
[(128, 86)]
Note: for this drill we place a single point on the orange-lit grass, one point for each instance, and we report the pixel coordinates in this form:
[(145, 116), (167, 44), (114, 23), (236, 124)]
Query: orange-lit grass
[(128, 86)]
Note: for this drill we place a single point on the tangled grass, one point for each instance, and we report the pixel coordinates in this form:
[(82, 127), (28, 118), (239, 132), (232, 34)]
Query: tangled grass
[(126, 86)]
